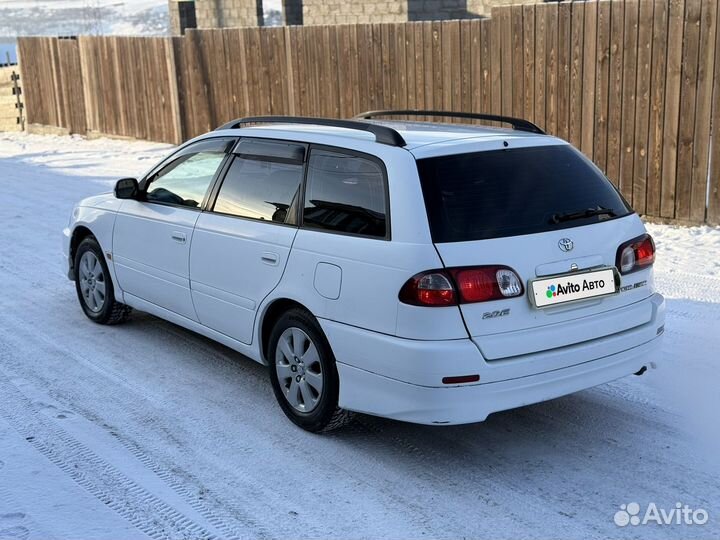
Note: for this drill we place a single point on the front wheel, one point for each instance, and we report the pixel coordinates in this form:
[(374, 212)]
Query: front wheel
[(94, 287), (303, 373)]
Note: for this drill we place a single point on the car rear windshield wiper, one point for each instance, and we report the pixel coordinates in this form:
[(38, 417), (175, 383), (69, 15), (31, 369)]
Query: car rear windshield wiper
[(589, 212)]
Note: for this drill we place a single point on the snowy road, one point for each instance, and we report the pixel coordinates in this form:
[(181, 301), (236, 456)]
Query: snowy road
[(148, 430)]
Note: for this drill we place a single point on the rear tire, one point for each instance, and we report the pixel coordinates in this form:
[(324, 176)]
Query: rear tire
[(94, 286), (303, 373)]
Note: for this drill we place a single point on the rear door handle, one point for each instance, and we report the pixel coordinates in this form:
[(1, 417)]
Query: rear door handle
[(270, 258), (179, 237)]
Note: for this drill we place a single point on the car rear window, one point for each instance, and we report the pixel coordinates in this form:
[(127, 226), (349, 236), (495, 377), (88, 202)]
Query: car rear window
[(510, 192)]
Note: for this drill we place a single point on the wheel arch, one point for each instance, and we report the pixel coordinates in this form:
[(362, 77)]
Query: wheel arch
[(273, 311), (80, 233)]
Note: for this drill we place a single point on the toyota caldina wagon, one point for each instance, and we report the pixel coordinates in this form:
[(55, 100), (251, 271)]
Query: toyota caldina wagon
[(426, 272)]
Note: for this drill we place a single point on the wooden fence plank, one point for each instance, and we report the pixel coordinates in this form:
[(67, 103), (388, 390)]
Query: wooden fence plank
[(627, 136), (540, 66), (181, 85), (331, 70), (428, 38), (528, 62), (589, 78), (657, 108), (564, 55), (703, 110), (642, 107), (486, 97), (688, 100), (576, 74), (602, 85), (401, 68), (465, 64), (672, 108), (419, 66), (118, 89), (495, 67), (438, 80), (411, 69), (450, 34), (87, 67), (56, 77), (518, 60), (456, 65), (387, 69), (347, 76), (476, 65), (551, 76)]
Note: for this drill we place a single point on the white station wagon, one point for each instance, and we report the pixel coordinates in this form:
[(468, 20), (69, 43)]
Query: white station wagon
[(426, 272)]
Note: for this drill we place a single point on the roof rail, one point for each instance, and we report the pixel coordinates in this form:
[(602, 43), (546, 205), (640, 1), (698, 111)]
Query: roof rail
[(516, 123), (383, 134)]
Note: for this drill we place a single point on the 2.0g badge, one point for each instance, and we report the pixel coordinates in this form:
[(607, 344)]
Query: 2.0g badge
[(495, 314)]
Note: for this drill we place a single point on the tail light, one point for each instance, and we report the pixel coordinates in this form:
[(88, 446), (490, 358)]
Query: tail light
[(465, 285), (635, 254), (429, 289)]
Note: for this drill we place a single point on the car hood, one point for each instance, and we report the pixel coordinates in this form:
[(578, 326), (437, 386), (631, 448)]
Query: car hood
[(106, 201)]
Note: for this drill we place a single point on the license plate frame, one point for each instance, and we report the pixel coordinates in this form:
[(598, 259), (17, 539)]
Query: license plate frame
[(538, 288)]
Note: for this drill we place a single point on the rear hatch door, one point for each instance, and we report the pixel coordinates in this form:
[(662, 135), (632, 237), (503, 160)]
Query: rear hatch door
[(546, 212)]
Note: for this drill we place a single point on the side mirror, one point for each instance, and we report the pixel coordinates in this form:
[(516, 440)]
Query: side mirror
[(126, 188)]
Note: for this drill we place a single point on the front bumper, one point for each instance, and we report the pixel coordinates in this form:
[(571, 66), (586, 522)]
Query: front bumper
[(68, 265), (377, 383)]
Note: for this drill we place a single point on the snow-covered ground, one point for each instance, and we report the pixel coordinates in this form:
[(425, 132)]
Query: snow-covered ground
[(148, 430)]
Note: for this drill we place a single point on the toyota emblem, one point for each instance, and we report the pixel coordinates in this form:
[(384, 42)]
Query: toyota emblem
[(565, 244)]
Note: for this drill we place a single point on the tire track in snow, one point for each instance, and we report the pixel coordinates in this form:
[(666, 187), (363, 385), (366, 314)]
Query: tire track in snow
[(226, 511), (688, 286), (221, 520), (13, 525), (144, 510)]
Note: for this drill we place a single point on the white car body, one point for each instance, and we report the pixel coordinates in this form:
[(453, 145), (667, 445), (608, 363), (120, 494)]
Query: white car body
[(223, 276)]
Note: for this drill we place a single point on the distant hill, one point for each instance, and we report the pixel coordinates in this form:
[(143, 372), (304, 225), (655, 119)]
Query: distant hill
[(95, 17), (72, 17)]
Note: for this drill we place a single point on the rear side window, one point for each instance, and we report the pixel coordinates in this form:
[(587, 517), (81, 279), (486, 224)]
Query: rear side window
[(261, 189), (345, 193), (513, 192)]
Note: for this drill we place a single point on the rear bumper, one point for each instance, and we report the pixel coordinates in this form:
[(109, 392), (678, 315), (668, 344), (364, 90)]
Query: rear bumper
[(367, 392), (375, 379)]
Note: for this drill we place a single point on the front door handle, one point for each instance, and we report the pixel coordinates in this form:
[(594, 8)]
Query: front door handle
[(270, 258), (179, 237)]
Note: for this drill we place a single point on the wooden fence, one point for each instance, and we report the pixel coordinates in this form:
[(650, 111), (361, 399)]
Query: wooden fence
[(635, 84)]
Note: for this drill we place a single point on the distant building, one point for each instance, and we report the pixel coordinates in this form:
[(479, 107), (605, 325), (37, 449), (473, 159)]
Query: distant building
[(238, 13)]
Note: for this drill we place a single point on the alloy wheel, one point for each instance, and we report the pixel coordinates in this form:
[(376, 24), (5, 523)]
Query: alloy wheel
[(92, 282), (299, 370)]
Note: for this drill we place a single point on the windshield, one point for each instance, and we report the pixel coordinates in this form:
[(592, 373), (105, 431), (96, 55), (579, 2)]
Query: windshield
[(516, 191)]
